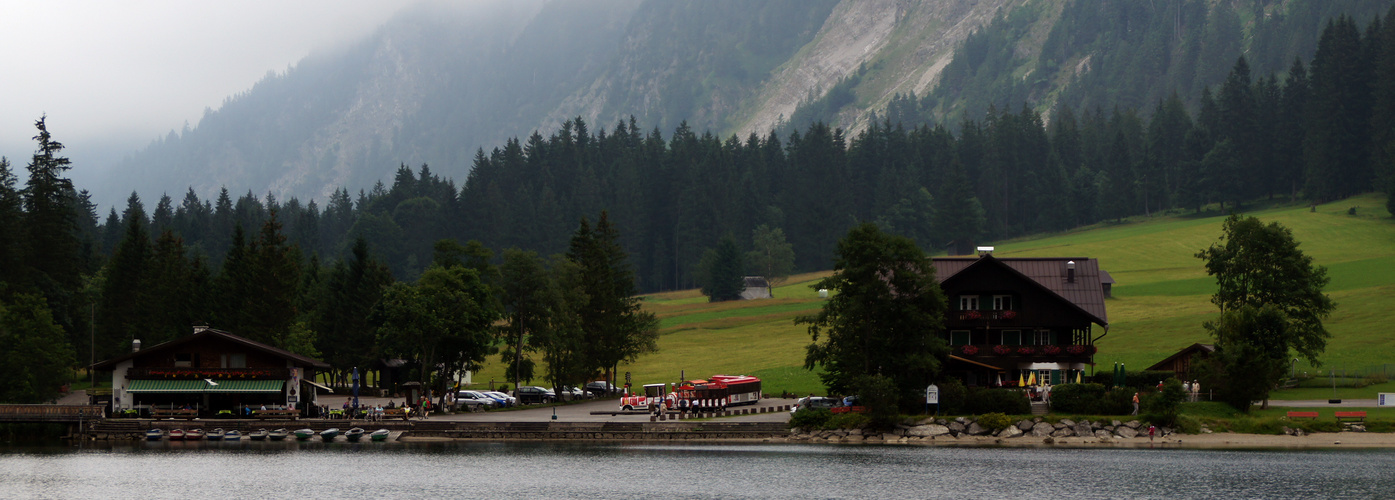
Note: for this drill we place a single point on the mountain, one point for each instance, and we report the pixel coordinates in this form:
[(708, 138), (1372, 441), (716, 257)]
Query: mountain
[(438, 82)]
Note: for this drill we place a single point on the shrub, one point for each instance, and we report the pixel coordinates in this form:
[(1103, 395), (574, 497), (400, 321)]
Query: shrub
[(980, 401), (846, 421), (994, 421), (952, 396), (810, 418), (1163, 407), (877, 393), (1079, 399)]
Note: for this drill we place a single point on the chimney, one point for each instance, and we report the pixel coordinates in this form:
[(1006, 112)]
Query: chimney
[(135, 345), (1070, 271)]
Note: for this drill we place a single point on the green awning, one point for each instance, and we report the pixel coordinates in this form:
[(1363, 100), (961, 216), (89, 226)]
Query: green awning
[(147, 386), (201, 385), (247, 386)]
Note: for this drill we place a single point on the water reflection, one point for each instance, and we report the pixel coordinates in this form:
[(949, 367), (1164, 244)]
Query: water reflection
[(585, 470)]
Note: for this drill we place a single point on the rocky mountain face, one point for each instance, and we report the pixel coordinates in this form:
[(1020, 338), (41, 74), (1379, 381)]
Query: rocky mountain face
[(440, 82)]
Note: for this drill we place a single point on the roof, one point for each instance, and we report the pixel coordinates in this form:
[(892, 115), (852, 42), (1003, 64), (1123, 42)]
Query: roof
[(1106, 278), (757, 282), (1086, 292), (209, 332), (1205, 349)]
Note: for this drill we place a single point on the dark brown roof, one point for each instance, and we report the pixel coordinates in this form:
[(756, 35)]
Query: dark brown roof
[(1085, 292), (296, 358), (1203, 349), (1106, 278), (757, 282)]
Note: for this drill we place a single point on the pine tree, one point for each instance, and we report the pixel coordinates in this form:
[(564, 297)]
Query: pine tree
[(617, 328), (51, 236), (725, 273)]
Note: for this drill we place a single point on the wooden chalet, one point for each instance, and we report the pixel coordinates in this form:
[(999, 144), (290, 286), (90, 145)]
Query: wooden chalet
[(209, 371), (1011, 318), (1180, 364)]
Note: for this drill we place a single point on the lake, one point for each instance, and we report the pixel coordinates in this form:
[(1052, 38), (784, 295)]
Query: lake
[(590, 470)]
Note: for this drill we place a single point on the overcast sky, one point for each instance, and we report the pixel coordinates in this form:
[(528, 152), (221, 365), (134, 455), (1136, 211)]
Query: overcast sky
[(113, 75)]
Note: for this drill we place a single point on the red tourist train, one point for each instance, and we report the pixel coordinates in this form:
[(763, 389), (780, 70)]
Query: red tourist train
[(715, 392)]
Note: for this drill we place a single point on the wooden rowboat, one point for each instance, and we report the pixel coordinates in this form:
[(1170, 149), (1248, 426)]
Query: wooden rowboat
[(354, 434), (329, 434)]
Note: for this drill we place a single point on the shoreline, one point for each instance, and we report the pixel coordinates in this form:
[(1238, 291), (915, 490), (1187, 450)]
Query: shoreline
[(1214, 441)]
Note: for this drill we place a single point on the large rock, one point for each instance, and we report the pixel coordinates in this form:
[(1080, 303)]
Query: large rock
[(1042, 429), (976, 430), (956, 426), (1010, 431), (1067, 422), (1084, 429), (1126, 431), (927, 430), (1025, 425), (1063, 432), (1133, 424), (1103, 434)]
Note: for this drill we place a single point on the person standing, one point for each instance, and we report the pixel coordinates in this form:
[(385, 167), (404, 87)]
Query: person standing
[(1151, 430), (1135, 404), (1196, 391)]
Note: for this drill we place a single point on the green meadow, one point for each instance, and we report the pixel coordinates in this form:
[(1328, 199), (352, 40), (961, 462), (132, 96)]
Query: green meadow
[(1161, 298)]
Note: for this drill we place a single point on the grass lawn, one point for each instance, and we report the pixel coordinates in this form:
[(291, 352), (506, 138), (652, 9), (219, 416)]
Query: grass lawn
[(1161, 299)]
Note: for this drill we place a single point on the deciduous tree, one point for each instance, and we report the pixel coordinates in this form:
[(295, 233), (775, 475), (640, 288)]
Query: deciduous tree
[(883, 317)]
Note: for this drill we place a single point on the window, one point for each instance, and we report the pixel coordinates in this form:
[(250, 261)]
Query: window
[(1044, 337), (959, 337), (183, 359), (968, 302), (1012, 337), (234, 361), (1002, 302)]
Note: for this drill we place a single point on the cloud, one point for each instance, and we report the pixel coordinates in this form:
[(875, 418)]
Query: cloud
[(126, 72)]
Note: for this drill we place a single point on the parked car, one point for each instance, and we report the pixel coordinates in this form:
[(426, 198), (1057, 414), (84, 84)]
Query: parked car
[(569, 393), (474, 400), (602, 388), (815, 402), (503, 399), (532, 394)]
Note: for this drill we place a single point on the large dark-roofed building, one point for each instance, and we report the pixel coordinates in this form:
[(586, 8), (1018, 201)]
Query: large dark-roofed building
[(212, 370), (1010, 319)]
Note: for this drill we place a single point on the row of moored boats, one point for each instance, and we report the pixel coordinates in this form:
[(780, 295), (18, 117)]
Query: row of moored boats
[(353, 434)]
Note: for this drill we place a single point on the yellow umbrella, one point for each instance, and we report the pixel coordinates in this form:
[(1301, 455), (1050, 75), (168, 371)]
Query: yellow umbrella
[(1022, 380), (1077, 377), (1032, 379)]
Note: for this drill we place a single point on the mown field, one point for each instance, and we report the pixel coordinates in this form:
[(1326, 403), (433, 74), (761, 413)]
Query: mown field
[(1160, 301)]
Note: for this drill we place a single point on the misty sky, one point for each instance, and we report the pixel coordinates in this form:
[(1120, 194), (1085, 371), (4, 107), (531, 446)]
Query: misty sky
[(114, 75)]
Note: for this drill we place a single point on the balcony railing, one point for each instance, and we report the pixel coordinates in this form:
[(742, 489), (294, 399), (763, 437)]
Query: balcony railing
[(176, 372), (1025, 351), (988, 315)]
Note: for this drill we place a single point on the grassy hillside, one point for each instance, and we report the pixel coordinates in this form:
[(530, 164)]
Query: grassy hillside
[(1160, 301)]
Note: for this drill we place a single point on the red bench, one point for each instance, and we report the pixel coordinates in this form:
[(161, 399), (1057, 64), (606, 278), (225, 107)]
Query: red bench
[(847, 409), (1357, 415), (1303, 414)]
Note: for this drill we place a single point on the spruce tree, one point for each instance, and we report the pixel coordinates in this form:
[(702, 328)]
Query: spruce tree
[(726, 273)]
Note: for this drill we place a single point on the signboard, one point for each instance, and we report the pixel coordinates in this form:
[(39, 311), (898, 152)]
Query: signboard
[(627, 377), (932, 394), (293, 388), (1385, 399)]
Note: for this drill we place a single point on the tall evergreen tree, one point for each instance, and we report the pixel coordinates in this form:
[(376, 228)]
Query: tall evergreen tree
[(725, 272), (51, 226), (617, 329)]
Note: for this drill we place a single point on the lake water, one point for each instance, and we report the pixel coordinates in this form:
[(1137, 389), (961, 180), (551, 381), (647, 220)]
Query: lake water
[(552, 470)]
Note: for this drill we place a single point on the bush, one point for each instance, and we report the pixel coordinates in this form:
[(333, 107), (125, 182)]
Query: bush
[(1079, 399), (980, 401), (877, 393), (952, 396), (1163, 407), (994, 421), (847, 421), (810, 418)]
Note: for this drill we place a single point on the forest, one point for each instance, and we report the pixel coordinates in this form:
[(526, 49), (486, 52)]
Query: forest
[(306, 278)]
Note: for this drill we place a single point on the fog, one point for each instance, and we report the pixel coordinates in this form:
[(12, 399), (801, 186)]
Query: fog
[(112, 76)]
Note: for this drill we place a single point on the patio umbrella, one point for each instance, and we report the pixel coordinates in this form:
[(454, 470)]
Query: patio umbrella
[(1032, 379), (355, 386), (1077, 376), (1021, 379), (1000, 380)]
